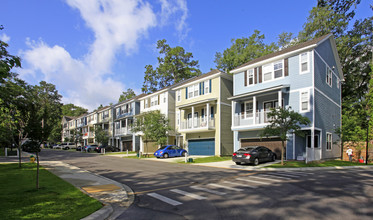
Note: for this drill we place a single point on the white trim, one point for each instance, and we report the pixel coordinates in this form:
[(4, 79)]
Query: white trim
[(318, 90), (272, 89), (326, 64), (329, 70), (308, 63), (245, 115), (221, 74), (282, 56), (331, 141), (298, 90), (247, 77), (311, 140), (223, 103), (308, 100)]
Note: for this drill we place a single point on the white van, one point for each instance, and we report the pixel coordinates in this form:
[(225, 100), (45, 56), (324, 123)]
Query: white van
[(67, 146)]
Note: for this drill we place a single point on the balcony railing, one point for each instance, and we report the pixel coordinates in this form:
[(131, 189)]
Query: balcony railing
[(88, 135), (249, 120), (198, 123), (124, 114), (122, 131)]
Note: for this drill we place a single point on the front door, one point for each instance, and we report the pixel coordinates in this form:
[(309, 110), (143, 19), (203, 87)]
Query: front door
[(190, 120)]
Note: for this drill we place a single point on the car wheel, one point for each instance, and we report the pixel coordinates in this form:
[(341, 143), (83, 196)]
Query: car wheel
[(238, 163), (165, 155), (183, 154), (67, 148), (89, 150), (273, 157), (256, 161)]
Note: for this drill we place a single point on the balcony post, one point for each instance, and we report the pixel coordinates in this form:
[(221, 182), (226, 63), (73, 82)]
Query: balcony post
[(192, 116), (254, 109), (126, 125), (233, 112), (208, 114)]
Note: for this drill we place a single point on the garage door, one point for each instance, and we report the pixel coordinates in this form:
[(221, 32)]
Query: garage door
[(274, 144), (150, 147), (201, 147)]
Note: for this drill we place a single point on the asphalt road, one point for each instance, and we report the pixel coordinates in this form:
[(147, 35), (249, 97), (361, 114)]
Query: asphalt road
[(179, 191)]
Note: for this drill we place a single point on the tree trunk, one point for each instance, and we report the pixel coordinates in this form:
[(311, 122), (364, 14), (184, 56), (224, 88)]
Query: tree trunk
[(19, 152), (37, 170), (282, 153)]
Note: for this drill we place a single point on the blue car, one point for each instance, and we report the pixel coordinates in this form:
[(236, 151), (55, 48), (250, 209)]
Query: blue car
[(90, 148), (170, 151)]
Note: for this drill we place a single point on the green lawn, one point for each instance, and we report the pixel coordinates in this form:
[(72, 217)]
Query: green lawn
[(56, 199), (329, 163), (124, 152)]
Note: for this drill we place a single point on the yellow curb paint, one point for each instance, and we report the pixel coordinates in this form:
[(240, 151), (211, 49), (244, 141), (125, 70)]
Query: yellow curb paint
[(100, 188)]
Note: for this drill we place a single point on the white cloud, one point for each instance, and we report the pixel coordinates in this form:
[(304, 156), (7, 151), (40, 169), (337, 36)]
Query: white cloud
[(5, 38), (117, 26), (175, 11)]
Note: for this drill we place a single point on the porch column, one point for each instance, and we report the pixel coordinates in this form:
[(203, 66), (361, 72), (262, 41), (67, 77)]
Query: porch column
[(126, 125), (233, 112), (254, 109), (313, 143), (192, 116), (208, 114), (280, 98)]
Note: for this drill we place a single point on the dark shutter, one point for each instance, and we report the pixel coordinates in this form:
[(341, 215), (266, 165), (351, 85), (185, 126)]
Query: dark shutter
[(203, 113), (212, 111), (242, 110), (255, 75), (210, 86), (200, 90), (245, 75), (260, 74), (186, 92), (203, 88), (286, 68)]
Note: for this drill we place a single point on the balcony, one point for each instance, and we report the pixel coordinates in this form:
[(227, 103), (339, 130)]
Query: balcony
[(122, 131), (260, 118), (198, 125), (88, 135), (124, 114)]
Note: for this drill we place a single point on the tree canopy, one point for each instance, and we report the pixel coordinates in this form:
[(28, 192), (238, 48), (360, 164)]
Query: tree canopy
[(127, 95), (7, 61), (174, 65), (73, 110)]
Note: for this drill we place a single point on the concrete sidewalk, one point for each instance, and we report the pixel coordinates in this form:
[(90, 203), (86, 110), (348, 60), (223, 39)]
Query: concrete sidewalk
[(115, 196)]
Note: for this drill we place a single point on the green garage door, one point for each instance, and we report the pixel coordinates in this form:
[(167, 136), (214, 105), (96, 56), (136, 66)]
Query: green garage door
[(201, 147)]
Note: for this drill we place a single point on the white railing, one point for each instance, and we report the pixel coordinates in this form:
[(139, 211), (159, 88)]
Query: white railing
[(260, 118), (197, 123), (122, 131)]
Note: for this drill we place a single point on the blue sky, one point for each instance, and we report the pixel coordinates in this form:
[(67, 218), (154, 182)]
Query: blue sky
[(93, 50)]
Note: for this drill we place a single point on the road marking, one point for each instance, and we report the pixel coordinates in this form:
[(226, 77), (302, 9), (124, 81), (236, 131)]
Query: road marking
[(299, 173), (225, 187), (164, 199), (285, 174), (270, 179), (277, 177), (208, 190), (239, 184), (192, 195), (253, 181)]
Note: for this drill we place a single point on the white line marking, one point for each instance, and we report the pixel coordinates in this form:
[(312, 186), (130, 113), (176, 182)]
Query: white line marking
[(192, 195), (225, 187), (275, 180), (277, 177), (208, 190), (239, 184), (164, 199), (253, 181)]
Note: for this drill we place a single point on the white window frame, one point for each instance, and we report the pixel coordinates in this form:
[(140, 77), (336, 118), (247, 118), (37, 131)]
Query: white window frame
[(178, 95), (146, 105), (329, 76), (178, 118), (338, 82), (307, 61), (301, 101), (190, 91), (328, 134), (245, 112), (250, 74), (207, 86), (271, 66), (196, 90), (282, 69)]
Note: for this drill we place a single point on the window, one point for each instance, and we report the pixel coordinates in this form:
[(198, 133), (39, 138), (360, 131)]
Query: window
[(304, 101), (328, 141), (304, 67), (338, 82), (267, 72), (178, 95), (248, 110), (178, 118), (250, 77), (207, 86), (146, 103), (190, 91), (154, 100), (278, 69), (196, 90), (329, 76)]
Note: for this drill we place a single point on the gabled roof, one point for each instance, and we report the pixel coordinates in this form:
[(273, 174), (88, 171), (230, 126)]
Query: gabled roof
[(311, 43), (196, 78), (131, 99)]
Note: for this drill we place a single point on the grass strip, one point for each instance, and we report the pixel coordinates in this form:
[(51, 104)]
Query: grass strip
[(55, 199), (329, 163)]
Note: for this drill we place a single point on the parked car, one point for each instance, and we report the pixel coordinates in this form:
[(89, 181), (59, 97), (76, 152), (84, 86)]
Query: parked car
[(79, 148), (90, 148), (107, 148), (67, 146), (57, 146), (170, 151), (253, 155)]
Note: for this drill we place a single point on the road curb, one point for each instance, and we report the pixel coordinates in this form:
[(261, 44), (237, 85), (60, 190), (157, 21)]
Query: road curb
[(102, 213)]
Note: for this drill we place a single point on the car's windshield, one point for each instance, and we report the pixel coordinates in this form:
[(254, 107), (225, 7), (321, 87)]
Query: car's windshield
[(247, 148), (161, 148)]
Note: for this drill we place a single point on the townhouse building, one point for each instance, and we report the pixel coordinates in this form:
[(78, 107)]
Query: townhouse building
[(67, 123), (164, 101), (203, 114), (306, 77), (123, 116), (105, 121), (88, 128)]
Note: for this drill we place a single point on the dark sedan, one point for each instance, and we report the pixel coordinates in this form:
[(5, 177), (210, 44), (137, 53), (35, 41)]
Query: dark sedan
[(253, 155)]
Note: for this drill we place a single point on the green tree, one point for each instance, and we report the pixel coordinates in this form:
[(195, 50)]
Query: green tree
[(73, 110), (7, 61), (283, 121), (127, 95), (77, 137), (154, 126), (243, 50), (101, 136), (174, 65)]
